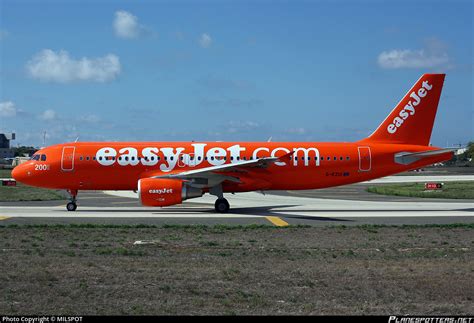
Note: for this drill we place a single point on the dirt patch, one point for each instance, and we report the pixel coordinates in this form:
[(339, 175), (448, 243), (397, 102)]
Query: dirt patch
[(218, 270)]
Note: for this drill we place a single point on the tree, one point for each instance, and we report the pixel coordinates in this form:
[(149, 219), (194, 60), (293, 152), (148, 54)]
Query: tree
[(24, 150)]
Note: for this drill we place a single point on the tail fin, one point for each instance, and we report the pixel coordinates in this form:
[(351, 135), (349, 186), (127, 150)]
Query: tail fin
[(411, 122)]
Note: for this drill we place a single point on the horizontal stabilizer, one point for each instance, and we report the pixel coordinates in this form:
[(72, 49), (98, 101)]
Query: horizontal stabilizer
[(406, 158)]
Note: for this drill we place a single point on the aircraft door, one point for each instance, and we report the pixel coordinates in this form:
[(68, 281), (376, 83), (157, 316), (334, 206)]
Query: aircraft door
[(365, 159), (67, 159)]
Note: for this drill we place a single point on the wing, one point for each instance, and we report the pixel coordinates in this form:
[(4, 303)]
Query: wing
[(214, 175)]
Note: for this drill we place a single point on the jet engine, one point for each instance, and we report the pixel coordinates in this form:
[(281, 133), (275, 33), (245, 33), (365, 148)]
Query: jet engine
[(164, 192)]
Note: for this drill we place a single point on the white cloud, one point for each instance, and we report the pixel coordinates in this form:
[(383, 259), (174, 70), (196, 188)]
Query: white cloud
[(433, 55), (205, 40), (90, 118), (48, 115), (51, 66), (241, 126), (406, 58), (8, 109), (296, 131), (126, 25)]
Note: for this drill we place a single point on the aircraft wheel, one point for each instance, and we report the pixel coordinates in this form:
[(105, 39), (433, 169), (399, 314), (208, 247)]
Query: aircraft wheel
[(71, 206), (222, 206)]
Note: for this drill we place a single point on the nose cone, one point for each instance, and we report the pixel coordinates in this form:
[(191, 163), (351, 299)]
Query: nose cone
[(19, 173)]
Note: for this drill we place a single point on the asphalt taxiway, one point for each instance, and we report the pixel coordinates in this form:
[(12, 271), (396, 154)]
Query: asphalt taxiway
[(347, 205)]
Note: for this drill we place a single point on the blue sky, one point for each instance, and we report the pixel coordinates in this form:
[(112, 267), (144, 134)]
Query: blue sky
[(228, 70)]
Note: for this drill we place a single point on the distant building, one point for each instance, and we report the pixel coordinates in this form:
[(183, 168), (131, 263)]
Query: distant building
[(461, 151), (5, 150)]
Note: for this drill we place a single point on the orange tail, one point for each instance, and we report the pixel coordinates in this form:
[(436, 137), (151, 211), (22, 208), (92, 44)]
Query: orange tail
[(411, 122)]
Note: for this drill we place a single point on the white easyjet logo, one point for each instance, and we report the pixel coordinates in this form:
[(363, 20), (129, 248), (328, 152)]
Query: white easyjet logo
[(213, 155), (410, 107), (161, 191)]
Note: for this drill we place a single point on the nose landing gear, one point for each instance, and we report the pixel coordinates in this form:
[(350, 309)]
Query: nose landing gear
[(72, 206)]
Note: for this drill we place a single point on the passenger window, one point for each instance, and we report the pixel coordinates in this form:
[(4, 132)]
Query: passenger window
[(341, 158), (81, 158), (347, 158), (87, 158), (100, 158)]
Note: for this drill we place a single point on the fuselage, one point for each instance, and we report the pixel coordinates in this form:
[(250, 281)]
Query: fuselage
[(120, 165)]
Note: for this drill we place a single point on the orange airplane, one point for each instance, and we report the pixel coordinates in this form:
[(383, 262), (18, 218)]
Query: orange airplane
[(167, 173)]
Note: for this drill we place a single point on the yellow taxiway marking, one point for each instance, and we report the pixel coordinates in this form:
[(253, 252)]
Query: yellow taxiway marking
[(277, 221), (4, 217)]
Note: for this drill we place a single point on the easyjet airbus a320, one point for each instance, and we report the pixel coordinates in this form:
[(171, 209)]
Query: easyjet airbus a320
[(167, 173)]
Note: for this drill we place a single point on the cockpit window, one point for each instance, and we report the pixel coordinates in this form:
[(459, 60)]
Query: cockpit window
[(43, 157), (35, 157)]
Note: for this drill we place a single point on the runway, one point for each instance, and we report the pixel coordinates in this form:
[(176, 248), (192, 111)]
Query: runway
[(280, 209)]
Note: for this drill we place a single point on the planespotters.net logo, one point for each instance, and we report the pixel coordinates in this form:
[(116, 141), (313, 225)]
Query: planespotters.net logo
[(410, 108), (408, 319)]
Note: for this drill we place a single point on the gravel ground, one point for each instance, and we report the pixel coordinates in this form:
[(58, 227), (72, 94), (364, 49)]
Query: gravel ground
[(232, 270)]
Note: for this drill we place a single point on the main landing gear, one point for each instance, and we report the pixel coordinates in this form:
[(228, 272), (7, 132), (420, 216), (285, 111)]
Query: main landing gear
[(221, 205), (72, 206)]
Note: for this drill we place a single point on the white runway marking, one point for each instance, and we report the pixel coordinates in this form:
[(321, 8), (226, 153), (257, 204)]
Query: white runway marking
[(248, 205)]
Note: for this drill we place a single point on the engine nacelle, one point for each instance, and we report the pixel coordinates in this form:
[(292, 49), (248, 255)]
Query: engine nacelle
[(164, 192)]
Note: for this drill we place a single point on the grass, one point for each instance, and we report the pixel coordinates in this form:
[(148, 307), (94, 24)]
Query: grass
[(22, 192), (249, 270), (371, 228), (5, 173), (451, 190)]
